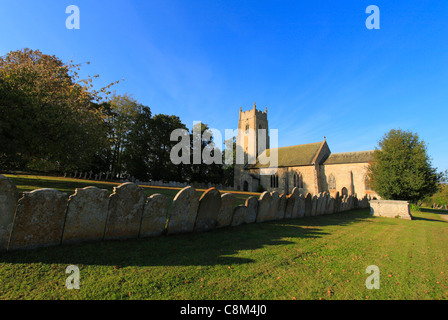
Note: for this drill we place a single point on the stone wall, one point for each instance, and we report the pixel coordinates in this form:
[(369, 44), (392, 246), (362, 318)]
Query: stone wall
[(390, 209), (47, 217)]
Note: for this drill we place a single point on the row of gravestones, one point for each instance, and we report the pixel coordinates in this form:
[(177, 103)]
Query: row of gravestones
[(46, 217), (105, 176), (89, 175)]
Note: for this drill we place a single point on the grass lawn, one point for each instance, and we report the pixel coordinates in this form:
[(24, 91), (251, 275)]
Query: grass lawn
[(322, 257), (68, 185)]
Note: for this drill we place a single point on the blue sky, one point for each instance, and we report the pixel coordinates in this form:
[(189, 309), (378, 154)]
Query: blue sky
[(313, 64)]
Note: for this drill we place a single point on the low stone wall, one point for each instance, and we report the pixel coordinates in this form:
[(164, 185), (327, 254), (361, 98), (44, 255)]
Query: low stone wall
[(390, 209), (47, 217)]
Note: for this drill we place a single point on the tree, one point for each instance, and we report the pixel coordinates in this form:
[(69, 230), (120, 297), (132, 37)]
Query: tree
[(124, 110), (137, 151), (402, 169), (47, 114), (160, 145)]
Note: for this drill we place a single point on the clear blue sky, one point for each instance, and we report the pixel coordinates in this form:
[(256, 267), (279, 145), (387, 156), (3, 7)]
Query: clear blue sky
[(314, 64)]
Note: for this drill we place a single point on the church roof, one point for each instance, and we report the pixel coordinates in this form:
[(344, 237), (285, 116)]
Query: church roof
[(299, 155), (350, 157)]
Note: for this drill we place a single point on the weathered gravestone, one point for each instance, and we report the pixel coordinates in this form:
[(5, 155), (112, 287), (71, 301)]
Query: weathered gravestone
[(86, 215), (295, 208), (239, 215), (337, 202), (8, 202), (209, 206), (314, 205), (183, 211), (301, 206), (275, 202), (252, 208), (264, 206), (321, 204), (281, 207), (39, 219), (308, 205), (224, 218), (331, 202), (154, 217), (291, 203), (125, 212)]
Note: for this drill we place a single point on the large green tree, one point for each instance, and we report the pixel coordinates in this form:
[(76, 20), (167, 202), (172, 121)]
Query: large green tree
[(47, 113), (402, 169), (160, 164)]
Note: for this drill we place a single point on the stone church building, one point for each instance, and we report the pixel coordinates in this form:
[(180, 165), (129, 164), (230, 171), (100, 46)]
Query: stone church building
[(310, 167)]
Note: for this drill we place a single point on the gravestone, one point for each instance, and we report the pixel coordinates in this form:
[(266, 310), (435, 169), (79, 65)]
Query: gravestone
[(252, 207), (301, 206), (224, 218), (264, 206), (290, 203), (275, 203), (125, 212), (39, 219), (86, 215), (155, 215), (183, 211), (327, 202), (239, 215), (331, 203), (308, 205), (337, 204), (320, 204), (281, 207), (295, 208), (314, 205), (8, 202), (209, 206)]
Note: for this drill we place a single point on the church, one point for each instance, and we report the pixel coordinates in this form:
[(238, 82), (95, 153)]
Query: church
[(311, 167)]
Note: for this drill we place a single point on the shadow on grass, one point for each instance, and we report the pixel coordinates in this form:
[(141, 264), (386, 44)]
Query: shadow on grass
[(215, 247)]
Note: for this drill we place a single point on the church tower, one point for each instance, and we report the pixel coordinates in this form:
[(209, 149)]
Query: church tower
[(251, 125)]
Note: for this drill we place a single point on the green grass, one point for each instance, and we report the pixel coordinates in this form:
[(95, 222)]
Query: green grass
[(322, 257), (68, 185)]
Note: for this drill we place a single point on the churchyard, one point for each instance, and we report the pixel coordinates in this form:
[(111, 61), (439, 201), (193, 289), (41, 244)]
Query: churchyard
[(313, 257)]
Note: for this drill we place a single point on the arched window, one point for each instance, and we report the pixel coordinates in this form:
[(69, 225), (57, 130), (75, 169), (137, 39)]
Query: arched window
[(274, 181), (344, 192), (367, 183), (331, 182), (298, 180)]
